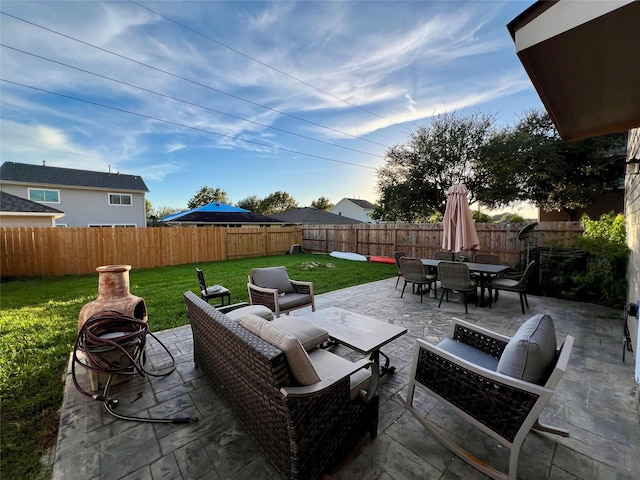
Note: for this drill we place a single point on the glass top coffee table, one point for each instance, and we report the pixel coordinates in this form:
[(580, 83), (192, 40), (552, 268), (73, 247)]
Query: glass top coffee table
[(358, 332)]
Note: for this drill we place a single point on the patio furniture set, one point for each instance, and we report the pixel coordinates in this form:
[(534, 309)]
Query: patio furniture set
[(306, 407)]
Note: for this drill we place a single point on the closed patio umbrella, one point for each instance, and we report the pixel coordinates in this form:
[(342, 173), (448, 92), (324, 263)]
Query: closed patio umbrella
[(459, 232)]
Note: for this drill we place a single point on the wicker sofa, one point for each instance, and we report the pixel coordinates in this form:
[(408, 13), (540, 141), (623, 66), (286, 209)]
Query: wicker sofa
[(303, 430)]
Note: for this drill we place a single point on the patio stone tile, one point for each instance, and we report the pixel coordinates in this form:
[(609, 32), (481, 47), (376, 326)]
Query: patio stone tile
[(193, 461), (595, 400)]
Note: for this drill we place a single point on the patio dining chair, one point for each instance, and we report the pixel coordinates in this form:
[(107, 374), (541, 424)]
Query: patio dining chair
[(515, 285), (413, 273), (455, 276), (398, 255)]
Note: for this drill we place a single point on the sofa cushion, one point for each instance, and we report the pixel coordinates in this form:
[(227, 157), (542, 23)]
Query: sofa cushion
[(309, 334), (300, 365), (327, 364), (272, 277), (259, 310), (531, 352)]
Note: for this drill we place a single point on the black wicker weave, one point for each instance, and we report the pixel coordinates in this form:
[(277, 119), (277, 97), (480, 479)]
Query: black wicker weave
[(301, 435), (503, 407)]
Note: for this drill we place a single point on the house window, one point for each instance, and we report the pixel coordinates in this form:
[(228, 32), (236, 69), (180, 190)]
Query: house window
[(44, 196), (120, 199)]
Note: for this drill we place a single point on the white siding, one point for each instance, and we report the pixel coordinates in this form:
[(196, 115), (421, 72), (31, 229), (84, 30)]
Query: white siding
[(27, 220), (91, 207), (348, 209)]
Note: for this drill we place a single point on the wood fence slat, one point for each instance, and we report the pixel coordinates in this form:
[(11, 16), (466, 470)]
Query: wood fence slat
[(37, 251)]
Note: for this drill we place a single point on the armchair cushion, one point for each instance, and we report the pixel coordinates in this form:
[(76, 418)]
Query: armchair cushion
[(469, 353), (309, 334), (531, 352), (298, 360), (273, 277)]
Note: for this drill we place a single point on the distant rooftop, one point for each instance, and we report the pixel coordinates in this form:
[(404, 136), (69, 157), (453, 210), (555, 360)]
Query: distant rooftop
[(310, 215), (11, 203), (362, 203), (12, 172)]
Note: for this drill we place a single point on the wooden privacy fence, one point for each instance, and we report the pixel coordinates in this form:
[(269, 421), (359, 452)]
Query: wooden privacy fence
[(38, 251), (44, 251), (423, 239)]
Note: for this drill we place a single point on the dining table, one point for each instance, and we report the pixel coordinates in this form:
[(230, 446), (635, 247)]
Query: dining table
[(484, 271)]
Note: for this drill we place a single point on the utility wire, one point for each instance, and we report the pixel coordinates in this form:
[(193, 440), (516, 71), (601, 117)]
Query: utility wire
[(150, 117), (218, 42), (186, 102), (191, 81)]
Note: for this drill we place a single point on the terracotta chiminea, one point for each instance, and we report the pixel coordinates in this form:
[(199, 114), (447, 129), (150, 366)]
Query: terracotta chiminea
[(114, 294)]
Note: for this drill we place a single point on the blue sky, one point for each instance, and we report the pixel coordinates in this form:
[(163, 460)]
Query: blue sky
[(252, 97)]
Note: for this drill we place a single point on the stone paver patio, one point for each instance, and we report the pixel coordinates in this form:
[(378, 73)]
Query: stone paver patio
[(595, 401)]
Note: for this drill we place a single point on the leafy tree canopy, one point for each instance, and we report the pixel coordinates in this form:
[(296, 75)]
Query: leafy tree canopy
[(558, 175), (207, 195), (251, 203), (277, 202), (322, 203), (414, 180)]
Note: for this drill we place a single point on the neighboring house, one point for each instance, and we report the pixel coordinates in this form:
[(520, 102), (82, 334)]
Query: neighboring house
[(354, 208), (312, 216), (87, 198), (608, 201), (218, 214), (20, 212)]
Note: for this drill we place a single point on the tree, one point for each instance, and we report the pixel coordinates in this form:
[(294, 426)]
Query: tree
[(277, 202), (558, 175), (207, 195), (251, 203), (322, 203), (156, 214), (414, 181)]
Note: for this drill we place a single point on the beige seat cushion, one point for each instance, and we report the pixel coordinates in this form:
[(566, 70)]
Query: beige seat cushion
[(259, 310), (327, 363), (299, 363), (309, 334)]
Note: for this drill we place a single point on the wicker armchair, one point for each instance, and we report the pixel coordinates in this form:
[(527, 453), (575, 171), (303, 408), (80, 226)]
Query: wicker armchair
[(462, 373), (273, 288), (455, 276), (303, 430)]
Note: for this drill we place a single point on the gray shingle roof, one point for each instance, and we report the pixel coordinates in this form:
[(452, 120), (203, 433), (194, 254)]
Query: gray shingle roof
[(311, 215), (38, 174), (362, 203), (11, 203)]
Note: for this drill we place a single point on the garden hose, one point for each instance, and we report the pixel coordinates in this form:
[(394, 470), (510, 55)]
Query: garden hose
[(110, 331)]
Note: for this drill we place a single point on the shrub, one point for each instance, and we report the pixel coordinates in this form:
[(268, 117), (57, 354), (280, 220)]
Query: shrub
[(605, 281)]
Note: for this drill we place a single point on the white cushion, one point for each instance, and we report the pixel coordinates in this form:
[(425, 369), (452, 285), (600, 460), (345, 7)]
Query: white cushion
[(300, 365), (309, 334), (272, 277), (531, 352)]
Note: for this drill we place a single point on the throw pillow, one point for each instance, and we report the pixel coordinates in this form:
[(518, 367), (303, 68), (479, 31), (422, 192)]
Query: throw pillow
[(273, 277), (298, 360), (309, 334), (531, 351)]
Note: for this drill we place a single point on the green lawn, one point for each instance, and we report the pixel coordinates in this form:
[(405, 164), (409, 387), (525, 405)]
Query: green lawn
[(38, 325)]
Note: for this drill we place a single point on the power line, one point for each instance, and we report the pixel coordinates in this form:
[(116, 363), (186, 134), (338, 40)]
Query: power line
[(187, 102), (218, 42), (150, 117), (191, 81)]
